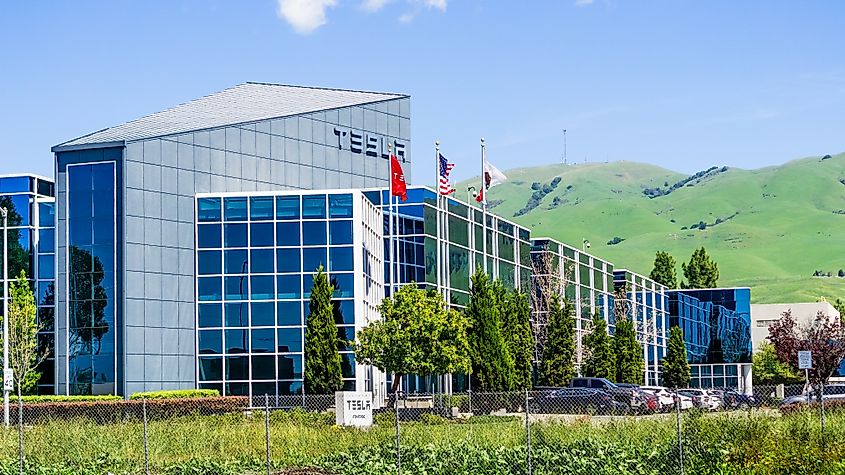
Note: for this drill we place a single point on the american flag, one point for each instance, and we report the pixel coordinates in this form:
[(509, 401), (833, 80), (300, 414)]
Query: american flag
[(445, 169)]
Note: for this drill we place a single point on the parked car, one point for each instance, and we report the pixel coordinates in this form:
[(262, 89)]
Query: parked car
[(627, 396), (666, 398), (576, 401), (833, 392), (717, 399), (700, 398), (651, 402), (737, 400)]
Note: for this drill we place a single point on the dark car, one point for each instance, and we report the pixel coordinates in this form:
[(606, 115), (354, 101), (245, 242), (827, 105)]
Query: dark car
[(627, 396), (575, 401), (736, 400)]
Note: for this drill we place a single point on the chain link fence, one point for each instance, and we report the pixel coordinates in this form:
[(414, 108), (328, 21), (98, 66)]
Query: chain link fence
[(528, 432)]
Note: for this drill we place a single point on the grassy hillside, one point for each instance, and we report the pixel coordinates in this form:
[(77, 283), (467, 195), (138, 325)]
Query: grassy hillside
[(769, 228)]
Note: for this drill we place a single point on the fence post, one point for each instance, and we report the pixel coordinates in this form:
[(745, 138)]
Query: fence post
[(680, 434), (821, 407), (267, 430), (146, 437), (398, 439), (469, 393), (20, 431), (527, 434)]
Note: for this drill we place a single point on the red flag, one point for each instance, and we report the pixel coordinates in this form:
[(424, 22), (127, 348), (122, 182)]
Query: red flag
[(397, 179), (480, 196)]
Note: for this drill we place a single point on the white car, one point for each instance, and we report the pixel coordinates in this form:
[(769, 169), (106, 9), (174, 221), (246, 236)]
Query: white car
[(702, 399), (666, 398)]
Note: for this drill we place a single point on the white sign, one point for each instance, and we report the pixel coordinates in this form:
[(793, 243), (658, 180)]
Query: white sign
[(9, 381), (353, 408), (805, 360)]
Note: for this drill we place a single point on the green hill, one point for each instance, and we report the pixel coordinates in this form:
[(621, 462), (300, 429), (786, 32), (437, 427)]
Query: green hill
[(769, 228)]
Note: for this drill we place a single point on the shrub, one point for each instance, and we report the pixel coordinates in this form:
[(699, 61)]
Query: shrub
[(50, 398), (120, 410), (177, 394)]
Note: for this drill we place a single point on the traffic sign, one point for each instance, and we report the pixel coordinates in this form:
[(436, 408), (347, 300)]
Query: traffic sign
[(9, 381), (805, 360)]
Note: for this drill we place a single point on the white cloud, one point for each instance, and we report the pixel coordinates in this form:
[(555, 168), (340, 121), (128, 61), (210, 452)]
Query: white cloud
[(406, 18), (374, 5), (583, 3), (418, 5), (439, 4), (304, 16)]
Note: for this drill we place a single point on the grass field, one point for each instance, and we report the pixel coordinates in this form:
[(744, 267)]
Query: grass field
[(776, 225), (231, 445)]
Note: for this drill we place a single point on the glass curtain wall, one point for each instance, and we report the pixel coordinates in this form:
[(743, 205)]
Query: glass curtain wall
[(256, 260)]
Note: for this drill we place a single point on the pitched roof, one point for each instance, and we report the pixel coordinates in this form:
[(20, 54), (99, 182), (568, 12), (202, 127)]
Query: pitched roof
[(243, 103)]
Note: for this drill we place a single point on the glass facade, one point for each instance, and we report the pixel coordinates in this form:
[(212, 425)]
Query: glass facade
[(91, 227), (647, 304), (256, 259), (31, 236), (716, 324)]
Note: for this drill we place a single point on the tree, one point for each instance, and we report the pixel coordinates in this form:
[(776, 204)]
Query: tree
[(24, 352), (676, 371), (766, 368), (701, 272), (839, 305), (628, 353), (516, 314), (556, 367), (601, 362), (322, 360), (417, 334), (492, 363), (664, 270), (824, 337)]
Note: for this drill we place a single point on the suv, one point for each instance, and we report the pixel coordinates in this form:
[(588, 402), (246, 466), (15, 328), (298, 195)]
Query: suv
[(627, 396)]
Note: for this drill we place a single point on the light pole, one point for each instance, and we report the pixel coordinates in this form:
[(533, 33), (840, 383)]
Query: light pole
[(5, 213), (585, 245), (470, 194)]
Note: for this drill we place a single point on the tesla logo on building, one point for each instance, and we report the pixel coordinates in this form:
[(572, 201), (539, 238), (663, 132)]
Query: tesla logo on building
[(372, 145)]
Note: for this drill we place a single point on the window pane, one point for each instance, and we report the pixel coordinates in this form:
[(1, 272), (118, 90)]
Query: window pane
[(210, 315), (287, 234), (208, 235), (211, 368), (46, 215), (235, 235), (261, 208), (211, 341), (290, 340), (287, 260), (45, 266), (345, 335), (287, 207), (237, 389), (237, 288), (313, 258), (235, 208), (314, 233), (237, 367), (236, 314), (261, 235), (307, 285), (347, 365), (261, 389), (261, 287), (343, 285), (236, 261), (290, 367), (208, 209), (289, 313), (263, 340), (340, 206), (263, 314), (237, 341), (344, 312), (314, 206), (340, 259), (290, 387), (261, 261), (47, 240), (209, 288), (340, 232), (288, 287), (209, 262), (264, 367)]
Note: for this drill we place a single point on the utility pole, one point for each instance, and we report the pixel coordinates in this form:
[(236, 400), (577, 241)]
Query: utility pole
[(564, 146)]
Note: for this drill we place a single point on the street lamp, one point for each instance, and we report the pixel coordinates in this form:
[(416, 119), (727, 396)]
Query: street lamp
[(471, 193), (6, 376), (585, 245)]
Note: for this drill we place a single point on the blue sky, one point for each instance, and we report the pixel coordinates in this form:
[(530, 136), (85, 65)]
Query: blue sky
[(680, 84)]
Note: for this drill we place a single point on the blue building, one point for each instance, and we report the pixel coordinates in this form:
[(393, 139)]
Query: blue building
[(30, 202), (646, 303)]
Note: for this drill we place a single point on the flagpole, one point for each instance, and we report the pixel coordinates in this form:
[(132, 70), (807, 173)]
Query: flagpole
[(483, 206), (437, 266), (390, 216)]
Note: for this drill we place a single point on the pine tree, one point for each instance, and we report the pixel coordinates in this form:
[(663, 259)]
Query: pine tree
[(664, 270), (701, 272), (516, 313), (322, 360), (492, 364), (601, 362), (628, 352), (676, 371), (556, 367)]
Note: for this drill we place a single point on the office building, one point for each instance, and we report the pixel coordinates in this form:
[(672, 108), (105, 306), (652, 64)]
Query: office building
[(125, 288), (764, 315), (646, 303)]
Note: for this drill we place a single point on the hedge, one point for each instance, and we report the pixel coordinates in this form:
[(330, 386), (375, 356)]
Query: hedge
[(177, 394), (50, 398), (122, 410)]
